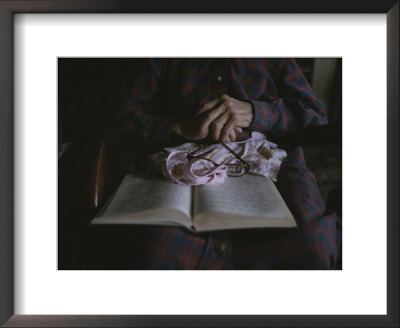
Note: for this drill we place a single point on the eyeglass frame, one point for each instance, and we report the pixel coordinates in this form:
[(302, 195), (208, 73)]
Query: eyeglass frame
[(244, 164)]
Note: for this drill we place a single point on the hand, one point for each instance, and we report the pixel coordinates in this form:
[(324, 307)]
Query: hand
[(230, 116), (219, 119), (196, 128)]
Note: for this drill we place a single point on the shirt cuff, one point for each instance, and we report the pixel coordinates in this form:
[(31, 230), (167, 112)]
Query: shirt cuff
[(264, 116)]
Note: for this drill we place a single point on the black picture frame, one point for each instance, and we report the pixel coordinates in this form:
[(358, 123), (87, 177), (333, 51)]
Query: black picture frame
[(7, 10)]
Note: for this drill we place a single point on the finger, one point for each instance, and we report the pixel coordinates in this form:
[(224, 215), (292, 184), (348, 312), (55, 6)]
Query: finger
[(227, 129), (232, 136), (207, 106), (238, 130), (214, 114), (210, 117), (218, 125)]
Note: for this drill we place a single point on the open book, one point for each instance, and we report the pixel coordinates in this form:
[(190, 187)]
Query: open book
[(248, 201)]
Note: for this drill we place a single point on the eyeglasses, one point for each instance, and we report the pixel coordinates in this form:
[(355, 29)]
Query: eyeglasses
[(237, 169)]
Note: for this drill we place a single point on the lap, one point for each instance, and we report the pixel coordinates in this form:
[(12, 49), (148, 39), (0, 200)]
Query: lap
[(312, 246)]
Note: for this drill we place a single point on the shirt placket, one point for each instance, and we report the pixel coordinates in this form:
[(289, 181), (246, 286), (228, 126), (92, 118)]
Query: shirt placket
[(221, 77), (217, 252)]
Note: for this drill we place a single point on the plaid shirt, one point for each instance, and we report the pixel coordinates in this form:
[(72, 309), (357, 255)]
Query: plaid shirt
[(162, 91)]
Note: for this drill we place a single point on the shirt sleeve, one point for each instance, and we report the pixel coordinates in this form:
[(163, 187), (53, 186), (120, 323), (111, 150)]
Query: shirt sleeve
[(135, 116), (296, 107)]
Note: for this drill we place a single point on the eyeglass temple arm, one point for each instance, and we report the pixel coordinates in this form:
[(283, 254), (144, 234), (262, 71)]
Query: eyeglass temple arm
[(236, 155)]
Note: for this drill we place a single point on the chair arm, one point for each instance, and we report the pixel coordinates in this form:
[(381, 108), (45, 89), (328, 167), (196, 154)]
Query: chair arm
[(112, 160), (98, 175), (88, 172), (75, 179)]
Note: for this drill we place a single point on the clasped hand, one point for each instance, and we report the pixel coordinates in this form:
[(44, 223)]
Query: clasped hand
[(218, 120)]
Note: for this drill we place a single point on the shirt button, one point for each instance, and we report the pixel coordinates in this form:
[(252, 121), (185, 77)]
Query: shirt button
[(221, 248), (219, 78)]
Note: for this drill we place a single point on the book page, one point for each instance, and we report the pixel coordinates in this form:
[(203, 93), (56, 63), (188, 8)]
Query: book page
[(251, 197), (138, 194)]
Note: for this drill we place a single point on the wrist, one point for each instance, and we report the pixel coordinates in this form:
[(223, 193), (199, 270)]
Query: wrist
[(250, 110)]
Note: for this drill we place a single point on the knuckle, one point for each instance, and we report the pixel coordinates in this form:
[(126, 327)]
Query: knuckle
[(214, 125), (228, 103), (209, 116)]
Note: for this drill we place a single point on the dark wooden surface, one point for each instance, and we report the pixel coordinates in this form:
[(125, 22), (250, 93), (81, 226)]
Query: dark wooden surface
[(6, 165), (204, 6)]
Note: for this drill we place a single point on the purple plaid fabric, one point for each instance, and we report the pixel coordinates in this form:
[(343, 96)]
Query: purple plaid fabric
[(164, 90)]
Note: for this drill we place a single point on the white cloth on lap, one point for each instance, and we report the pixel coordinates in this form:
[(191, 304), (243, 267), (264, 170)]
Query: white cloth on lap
[(263, 157)]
